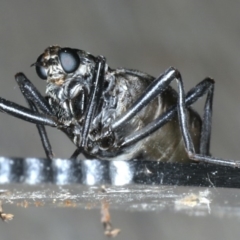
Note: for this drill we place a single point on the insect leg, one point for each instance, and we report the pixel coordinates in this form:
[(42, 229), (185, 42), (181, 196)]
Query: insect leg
[(76, 153), (33, 98), (30, 92), (206, 123), (26, 114), (96, 93), (43, 135), (92, 107), (160, 83), (79, 151), (151, 92), (187, 138), (205, 86)]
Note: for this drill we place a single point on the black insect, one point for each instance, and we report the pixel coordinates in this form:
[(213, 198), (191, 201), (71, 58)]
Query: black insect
[(116, 113)]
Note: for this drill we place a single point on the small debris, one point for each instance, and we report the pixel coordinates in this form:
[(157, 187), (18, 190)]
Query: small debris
[(112, 233), (23, 204), (69, 203), (5, 216), (106, 217), (38, 203), (194, 200), (106, 220)]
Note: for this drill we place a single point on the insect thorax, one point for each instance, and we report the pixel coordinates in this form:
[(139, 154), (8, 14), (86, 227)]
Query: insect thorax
[(69, 102)]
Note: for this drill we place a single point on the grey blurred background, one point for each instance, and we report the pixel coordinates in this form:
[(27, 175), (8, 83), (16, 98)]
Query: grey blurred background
[(200, 38)]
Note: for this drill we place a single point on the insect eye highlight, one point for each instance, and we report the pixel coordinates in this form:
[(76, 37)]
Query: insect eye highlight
[(41, 71), (69, 59)]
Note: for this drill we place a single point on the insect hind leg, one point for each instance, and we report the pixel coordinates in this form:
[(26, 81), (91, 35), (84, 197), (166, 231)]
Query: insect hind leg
[(156, 88), (204, 87), (202, 157)]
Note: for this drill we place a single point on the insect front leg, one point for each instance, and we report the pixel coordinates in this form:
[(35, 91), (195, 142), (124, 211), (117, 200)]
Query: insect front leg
[(92, 107), (34, 100), (26, 114), (96, 93), (31, 93)]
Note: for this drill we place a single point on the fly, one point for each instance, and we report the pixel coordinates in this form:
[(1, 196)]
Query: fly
[(116, 114)]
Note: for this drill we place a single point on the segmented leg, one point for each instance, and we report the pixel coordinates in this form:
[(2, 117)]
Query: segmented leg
[(34, 100), (205, 86), (156, 88)]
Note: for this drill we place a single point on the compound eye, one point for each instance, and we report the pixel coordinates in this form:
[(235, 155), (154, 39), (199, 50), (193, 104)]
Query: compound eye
[(41, 71), (69, 59)]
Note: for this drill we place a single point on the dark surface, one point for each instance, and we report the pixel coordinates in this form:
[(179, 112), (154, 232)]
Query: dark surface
[(134, 185), (98, 172), (130, 185)]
